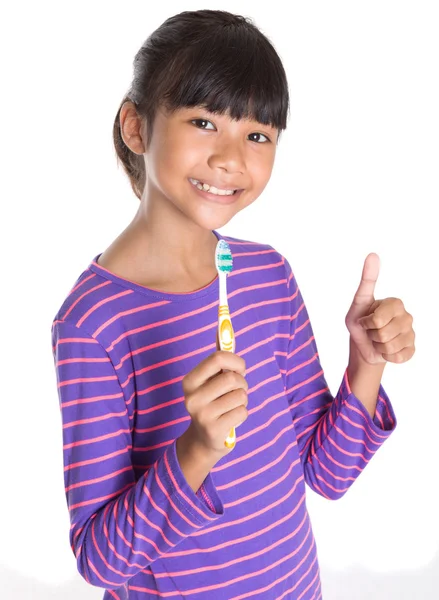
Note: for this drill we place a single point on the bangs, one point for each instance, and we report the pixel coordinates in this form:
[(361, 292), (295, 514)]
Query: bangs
[(232, 71)]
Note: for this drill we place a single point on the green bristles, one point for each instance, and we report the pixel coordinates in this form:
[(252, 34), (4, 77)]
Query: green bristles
[(223, 257)]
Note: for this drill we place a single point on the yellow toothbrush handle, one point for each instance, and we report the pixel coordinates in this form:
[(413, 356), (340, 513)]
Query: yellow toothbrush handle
[(226, 338)]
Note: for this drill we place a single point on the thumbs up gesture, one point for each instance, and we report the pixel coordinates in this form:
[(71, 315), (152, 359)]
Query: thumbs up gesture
[(381, 330)]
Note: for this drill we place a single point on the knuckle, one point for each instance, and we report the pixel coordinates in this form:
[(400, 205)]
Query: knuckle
[(186, 383), (377, 323), (216, 359), (189, 403), (231, 378), (202, 420), (243, 394), (381, 336), (390, 348)]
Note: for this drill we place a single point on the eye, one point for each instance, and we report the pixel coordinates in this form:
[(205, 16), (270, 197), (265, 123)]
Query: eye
[(204, 121), (262, 136), (200, 121)]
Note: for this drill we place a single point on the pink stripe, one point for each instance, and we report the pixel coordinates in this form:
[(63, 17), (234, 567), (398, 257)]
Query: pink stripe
[(341, 465), (188, 500), (72, 340), (91, 399), (382, 437), (356, 440), (85, 482), (354, 454), (112, 547), (241, 559), (69, 361), (330, 472), (101, 556), (81, 283), (101, 303), (126, 542), (130, 311), (334, 489), (245, 519), (100, 438), (358, 426), (97, 287), (98, 459), (203, 310), (95, 419), (87, 380), (247, 575), (101, 499), (96, 572)]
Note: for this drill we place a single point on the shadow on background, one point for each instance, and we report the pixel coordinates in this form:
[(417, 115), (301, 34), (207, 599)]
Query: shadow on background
[(359, 584), (353, 584)]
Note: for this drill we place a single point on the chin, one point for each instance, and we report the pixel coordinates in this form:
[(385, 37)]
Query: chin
[(212, 219)]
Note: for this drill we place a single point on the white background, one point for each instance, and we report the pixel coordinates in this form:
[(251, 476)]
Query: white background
[(356, 171)]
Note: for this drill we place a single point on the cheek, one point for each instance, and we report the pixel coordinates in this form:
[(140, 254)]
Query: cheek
[(261, 171), (180, 158)]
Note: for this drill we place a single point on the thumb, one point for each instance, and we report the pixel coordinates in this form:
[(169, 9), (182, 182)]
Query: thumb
[(366, 289)]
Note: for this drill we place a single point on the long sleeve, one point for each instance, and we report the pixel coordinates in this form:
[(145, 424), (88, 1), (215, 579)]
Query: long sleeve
[(336, 436), (119, 525)]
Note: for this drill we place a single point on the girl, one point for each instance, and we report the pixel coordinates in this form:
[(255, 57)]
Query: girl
[(159, 506)]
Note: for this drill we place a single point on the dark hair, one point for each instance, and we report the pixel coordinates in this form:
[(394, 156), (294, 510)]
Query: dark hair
[(208, 58)]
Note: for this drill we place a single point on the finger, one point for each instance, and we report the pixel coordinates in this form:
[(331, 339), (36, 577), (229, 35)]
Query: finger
[(220, 386), (369, 276), (397, 344), (401, 356), (211, 366), (386, 333), (227, 402), (383, 314)]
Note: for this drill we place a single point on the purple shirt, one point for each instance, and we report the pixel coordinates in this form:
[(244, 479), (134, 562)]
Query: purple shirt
[(121, 351)]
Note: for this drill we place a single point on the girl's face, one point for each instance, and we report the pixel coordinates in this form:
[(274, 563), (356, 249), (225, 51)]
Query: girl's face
[(193, 143)]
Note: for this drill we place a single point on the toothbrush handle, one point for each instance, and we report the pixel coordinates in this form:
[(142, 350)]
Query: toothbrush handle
[(226, 339)]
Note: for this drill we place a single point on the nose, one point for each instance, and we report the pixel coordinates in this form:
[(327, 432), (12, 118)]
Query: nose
[(228, 155)]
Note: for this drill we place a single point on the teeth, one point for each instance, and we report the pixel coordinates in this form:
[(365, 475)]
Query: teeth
[(212, 189)]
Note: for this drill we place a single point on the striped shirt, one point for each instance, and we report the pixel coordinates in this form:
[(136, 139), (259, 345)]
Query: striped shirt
[(138, 529)]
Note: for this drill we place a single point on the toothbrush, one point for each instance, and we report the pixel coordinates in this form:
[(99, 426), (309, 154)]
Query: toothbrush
[(226, 335)]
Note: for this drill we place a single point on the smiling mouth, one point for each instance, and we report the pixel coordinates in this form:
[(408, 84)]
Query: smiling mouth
[(205, 187)]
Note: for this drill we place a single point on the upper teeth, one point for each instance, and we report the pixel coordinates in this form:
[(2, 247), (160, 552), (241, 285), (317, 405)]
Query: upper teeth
[(212, 189)]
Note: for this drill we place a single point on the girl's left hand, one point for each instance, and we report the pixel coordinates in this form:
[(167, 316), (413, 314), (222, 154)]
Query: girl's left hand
[(381, 330)]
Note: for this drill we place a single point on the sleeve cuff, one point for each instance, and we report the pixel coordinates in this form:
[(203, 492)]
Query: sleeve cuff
[(384, 420), (204, 505)]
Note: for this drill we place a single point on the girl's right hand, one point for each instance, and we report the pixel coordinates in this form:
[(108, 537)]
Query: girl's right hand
[(216, 402)]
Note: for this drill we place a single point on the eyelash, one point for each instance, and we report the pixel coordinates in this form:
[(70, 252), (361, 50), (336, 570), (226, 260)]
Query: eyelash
[(256, 133)]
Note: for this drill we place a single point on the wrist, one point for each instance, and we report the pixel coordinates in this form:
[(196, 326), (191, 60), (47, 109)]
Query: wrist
[(357, 359), (189, 449), (364, 379)]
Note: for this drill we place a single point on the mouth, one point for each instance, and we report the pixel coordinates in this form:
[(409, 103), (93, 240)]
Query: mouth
[(207, 187), (213, 194)]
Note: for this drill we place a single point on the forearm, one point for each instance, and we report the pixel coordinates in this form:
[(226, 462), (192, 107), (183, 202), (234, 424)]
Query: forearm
[(364, 379), (195, 465)]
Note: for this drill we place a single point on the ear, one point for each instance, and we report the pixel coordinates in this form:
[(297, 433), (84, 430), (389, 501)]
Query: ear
[(132, 128)]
